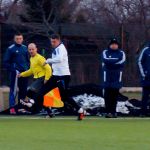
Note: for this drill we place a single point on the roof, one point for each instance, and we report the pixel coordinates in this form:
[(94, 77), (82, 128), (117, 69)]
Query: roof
[(77, 29)]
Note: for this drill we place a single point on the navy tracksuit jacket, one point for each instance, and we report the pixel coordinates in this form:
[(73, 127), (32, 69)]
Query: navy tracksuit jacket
[(16, 59), (113, 63), (144, 67)]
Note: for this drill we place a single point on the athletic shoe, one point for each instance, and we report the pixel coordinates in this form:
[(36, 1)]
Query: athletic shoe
[(28, 104), (81, 114), (23, 111), (50, 113), (12, 111), (110, 115)]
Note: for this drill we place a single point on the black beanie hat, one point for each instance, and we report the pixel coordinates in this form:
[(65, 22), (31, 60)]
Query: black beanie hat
[(114, 41)]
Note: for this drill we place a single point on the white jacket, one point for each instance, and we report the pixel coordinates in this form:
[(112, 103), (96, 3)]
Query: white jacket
[(59, 61)]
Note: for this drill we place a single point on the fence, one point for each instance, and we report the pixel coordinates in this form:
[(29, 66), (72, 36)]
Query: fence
[(84, 50)]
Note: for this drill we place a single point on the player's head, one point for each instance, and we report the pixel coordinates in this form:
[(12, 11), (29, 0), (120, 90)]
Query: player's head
[(18, 38), (114, 44), (32, 48), (55, 40)]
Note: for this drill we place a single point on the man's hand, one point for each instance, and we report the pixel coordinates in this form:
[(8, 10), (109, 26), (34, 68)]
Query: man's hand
[(45, 81), (18, 75), (45, 64), (144, 78)]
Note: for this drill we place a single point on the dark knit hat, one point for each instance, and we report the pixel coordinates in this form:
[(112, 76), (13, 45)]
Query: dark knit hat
[(114, 41)]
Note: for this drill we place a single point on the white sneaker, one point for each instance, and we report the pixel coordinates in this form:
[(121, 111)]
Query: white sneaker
[(28, 104), (81, 114), (31, 101)]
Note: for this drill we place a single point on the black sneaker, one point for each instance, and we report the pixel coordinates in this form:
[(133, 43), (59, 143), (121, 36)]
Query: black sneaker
[(110, 115), (50, 113)]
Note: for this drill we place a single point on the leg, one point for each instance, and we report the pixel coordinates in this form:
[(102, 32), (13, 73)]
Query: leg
[(22, 85), (35, 87), (33, 91), (38, 89), (107, 97), (51, 84), (115, 93), (145, 97), (12, 88), (63, 86)]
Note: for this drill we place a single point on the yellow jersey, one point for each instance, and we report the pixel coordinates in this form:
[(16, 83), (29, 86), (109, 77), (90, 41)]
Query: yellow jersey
[(37, 69)]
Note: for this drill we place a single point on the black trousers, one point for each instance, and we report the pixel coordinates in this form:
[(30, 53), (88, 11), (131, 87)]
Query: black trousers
[(110, 96), (32, 92), (145, 99), (35, 87), (62, 82)]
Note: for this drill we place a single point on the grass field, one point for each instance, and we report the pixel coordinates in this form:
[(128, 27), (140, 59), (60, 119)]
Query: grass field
[(28, 133), (132, 95)]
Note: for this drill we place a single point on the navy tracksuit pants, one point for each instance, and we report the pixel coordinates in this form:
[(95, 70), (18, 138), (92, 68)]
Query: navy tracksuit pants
[(21, 84), (145, 99)]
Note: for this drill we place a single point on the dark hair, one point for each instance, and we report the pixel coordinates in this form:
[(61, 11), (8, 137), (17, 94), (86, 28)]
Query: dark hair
[(18, 34), (55, 36)]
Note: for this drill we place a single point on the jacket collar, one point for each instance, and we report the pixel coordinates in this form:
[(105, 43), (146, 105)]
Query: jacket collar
[(18, 45), (53, 50), (113, 50), (58, 45)]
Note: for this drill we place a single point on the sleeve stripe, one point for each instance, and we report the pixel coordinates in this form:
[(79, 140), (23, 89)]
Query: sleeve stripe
[(11, 46), (105, 57), (104, 76), (123, 58), (140, 61)]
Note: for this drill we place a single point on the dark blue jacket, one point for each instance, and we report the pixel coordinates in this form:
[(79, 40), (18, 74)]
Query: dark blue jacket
[(16, 58), (113, 63), (144, 66)]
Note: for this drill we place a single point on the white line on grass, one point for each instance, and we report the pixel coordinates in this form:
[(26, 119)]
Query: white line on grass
[(70, 118)]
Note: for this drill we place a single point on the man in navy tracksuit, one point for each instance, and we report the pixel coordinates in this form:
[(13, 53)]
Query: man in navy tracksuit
[(144, 67), (16, 60), (113, 60)]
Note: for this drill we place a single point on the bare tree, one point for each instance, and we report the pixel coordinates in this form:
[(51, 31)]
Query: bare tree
[(47, 14)]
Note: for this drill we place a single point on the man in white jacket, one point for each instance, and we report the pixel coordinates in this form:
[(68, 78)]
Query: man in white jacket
[(61, 71), (59, 58)]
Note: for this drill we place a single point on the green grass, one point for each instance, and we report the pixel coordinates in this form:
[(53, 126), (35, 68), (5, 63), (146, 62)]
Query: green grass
[(132, 95), (69, 134)]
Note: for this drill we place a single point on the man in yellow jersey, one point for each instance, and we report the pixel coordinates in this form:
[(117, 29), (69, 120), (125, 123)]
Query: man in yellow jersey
[(40, 73)]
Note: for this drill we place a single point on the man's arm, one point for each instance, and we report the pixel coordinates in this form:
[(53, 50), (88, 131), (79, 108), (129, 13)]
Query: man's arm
[(7, 58), (108, 60), (58, 58), (140, 62), (26, 73), (122, 59), (48, 70)]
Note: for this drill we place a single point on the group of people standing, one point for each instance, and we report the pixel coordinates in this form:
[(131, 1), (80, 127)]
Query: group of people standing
[(54, 72), (113, 60), (45, 78)]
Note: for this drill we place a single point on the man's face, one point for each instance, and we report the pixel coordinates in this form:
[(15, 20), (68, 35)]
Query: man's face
[(55, 42), (32, 49), (18, 39), (114, 46)]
